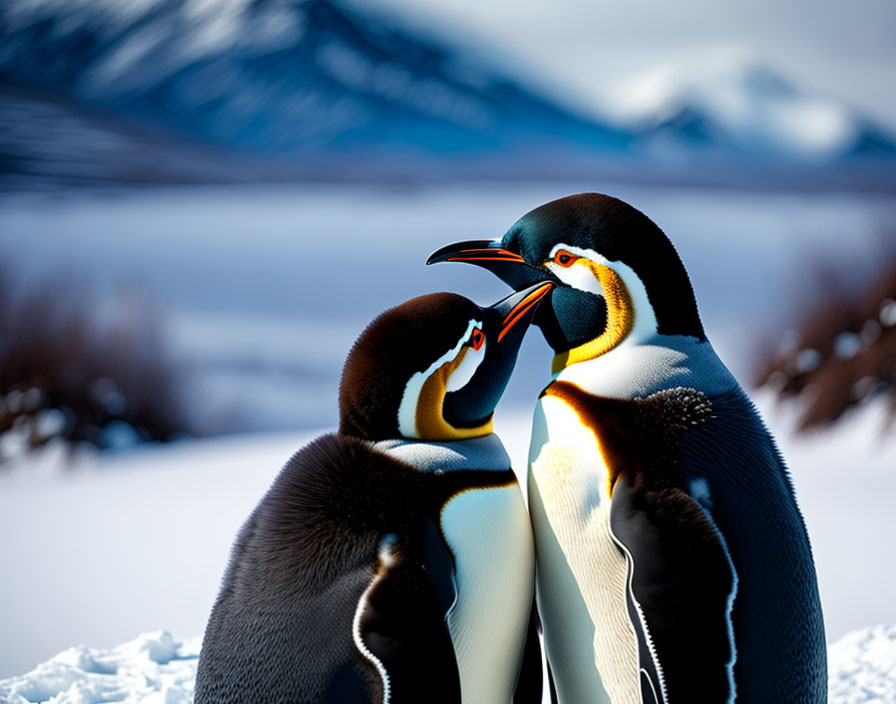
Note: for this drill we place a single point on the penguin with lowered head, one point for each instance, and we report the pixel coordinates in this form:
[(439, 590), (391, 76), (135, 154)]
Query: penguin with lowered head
[(673, 561), (392, 562)]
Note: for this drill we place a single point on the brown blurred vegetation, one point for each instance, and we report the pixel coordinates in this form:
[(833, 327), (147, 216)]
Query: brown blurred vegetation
[(70, 372), (841, 349)]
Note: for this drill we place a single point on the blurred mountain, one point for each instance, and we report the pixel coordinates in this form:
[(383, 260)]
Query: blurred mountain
[(237, 90), (285, 76), (726, 102)]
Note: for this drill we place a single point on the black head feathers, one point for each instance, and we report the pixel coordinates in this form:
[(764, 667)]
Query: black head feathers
[(399, 343), (434, 368), (620, 233)]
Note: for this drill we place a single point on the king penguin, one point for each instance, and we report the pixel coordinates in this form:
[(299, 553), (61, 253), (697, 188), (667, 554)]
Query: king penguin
[(673, 561), (392, 562)]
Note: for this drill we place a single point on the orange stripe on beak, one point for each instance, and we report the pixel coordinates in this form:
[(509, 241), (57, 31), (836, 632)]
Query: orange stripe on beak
[(490, 254), (523, 307)]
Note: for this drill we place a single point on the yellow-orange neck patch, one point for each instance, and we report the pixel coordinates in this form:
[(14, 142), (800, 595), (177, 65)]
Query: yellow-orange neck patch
[(430, 423), (620, 318)]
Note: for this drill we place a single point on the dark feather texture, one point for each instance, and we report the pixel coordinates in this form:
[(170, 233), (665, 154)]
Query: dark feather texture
[(397, 344), (281, 629)]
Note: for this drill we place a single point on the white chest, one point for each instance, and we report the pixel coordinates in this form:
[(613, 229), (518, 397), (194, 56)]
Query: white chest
[(582, 575), (489, 534)]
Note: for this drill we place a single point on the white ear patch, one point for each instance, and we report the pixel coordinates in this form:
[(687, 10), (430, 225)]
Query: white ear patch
[(467, 368), (579, 277), (576, 276), (407, 410)]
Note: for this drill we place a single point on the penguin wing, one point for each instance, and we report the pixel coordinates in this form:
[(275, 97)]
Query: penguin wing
[(401, 624), (777, 617), (321, 603), (681, 585)]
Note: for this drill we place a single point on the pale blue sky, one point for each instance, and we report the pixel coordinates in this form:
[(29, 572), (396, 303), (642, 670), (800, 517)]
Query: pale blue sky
[(587, 49)]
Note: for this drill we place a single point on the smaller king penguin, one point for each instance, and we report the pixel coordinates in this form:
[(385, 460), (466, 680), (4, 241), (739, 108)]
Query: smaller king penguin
[(673, 562), (392, 562)]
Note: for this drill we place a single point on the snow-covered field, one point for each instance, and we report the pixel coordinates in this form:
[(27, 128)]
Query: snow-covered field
[(156, 668), (263, 291), (126, 544)]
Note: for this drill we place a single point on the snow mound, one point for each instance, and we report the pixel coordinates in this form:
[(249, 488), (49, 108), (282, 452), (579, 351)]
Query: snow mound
[(158, 669), (151, 669), (862, 666)]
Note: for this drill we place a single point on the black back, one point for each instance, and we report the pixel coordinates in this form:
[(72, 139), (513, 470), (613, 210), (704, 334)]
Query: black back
[(778, 623)]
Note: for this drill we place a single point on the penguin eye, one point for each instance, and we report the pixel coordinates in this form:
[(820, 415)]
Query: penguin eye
[(477, 339), (564, 258)]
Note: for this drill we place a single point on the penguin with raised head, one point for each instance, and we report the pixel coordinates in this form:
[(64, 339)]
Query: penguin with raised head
[(673, 561), (392, 562)]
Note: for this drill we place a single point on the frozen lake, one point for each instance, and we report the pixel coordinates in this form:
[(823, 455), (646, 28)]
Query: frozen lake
[(263, 289)]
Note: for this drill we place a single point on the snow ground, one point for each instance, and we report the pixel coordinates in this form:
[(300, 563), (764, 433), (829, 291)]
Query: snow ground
[(155, 668), (151, 669), (124, 543)]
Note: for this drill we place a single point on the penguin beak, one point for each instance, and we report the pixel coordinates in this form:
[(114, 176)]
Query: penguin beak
[(519, 307), (506, 321), (475, 252), (506, 264)]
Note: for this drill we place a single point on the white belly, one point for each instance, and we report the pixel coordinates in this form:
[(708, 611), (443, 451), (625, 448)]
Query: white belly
[(589, 639), (489, 533)]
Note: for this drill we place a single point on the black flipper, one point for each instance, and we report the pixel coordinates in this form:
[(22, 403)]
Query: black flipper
[(403, 621), (656, 448), (681, 587), (530, 682), (781, 653)]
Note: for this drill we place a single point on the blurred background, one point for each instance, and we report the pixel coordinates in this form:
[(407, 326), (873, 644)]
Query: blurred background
[(203, 202)]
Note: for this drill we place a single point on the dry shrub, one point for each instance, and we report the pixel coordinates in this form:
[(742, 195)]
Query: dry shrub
[(70, 371), (841, 350)]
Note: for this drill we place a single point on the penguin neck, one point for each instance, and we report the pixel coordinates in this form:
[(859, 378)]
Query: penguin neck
[(641, 367), (483, 453)]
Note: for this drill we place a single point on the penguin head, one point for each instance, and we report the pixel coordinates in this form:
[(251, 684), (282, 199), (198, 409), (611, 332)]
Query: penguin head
[(617, 276), (435, 367)]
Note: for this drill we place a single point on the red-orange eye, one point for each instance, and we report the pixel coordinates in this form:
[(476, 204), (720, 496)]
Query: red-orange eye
[(477, 339), (564, 258)]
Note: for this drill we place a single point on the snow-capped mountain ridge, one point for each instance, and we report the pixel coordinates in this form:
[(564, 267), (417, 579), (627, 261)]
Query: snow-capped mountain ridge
[(309, 85), (275, 75), (729, 98)]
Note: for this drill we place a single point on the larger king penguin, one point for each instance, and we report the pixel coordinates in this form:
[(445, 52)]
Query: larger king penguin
[(392, 563), (673, 562)]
